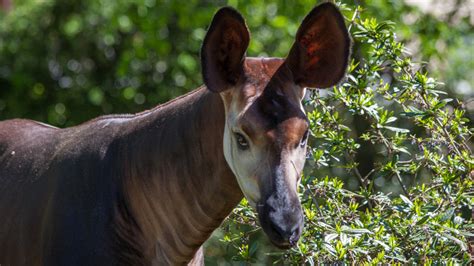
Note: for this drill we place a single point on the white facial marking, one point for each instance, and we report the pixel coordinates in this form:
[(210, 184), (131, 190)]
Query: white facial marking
[(240, 166), (243, 163)]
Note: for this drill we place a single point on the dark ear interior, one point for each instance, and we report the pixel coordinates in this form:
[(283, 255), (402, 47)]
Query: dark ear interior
[(321, 50), (223, 50)]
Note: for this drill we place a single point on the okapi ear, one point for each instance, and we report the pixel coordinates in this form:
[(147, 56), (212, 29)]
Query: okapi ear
[(223, 50), (319, 56)]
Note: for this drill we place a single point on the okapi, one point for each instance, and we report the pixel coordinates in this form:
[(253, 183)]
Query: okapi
[(150, 188)]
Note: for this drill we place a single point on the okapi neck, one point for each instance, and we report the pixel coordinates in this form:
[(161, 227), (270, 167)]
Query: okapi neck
[(176, 183)]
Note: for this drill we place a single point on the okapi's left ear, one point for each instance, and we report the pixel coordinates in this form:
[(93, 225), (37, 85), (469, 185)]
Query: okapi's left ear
[(223, 50), (321, 50)]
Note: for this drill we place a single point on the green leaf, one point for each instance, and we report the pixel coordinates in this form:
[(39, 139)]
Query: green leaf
[(413, 114), (423, 219), (358, 231), (396, 129), (330, 249), (406, 200), (328, 238), (447, 215), (402, 149), (253, 248), (391, 119)]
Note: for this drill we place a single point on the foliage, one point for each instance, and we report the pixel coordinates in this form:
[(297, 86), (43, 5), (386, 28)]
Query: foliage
[(389, 177), (106, 55)]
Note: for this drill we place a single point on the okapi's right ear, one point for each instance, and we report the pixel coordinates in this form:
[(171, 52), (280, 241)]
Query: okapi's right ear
[(223, 50), (320, 54)]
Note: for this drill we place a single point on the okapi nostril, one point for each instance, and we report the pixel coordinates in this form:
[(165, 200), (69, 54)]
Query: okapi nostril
[(294, 237), (289, 237)]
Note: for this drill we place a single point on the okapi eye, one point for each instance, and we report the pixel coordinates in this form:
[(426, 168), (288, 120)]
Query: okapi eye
[(241, 141), (304, 139)]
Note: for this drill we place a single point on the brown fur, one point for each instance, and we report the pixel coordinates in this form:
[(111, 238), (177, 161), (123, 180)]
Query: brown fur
[(152, 198)]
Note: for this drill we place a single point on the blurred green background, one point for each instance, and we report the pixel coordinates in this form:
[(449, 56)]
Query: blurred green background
[(65, 62)]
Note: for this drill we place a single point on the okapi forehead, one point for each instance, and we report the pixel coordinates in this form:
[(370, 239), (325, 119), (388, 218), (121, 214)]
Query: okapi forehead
[(260, 70), (280, 122), (271, 109), (264, 75), (274, 117)]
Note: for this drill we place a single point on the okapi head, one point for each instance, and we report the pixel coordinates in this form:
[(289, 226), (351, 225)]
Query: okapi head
[(266, 129)]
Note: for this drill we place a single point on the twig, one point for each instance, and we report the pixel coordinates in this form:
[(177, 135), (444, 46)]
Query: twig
[(401, 184)]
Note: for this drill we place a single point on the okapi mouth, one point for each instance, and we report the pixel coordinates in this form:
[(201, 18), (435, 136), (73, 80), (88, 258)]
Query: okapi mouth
[(283, 229)]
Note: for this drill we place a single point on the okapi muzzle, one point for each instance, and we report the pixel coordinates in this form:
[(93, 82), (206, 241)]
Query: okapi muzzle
[(280, 211), (266, 129)]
